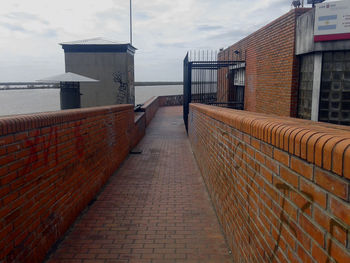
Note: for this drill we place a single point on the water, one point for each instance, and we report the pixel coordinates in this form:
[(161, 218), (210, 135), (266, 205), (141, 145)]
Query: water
[(143, 93), (32, 101), (28, 101)]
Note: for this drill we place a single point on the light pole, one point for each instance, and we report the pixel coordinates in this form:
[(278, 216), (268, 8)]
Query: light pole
[(130, 23)]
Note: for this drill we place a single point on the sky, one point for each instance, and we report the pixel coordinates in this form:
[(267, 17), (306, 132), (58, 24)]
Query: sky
[(163, 31)]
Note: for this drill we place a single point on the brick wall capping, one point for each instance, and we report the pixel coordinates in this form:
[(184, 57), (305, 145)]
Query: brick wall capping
[(19, 123), (302, 138), (149, 102), (138, 116)]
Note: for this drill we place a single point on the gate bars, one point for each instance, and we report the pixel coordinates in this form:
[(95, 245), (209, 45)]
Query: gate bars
[(202, 81)]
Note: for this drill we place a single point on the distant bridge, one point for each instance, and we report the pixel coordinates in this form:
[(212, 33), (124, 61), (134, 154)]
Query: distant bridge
[(27, 85), (157, 83), (39, 85)]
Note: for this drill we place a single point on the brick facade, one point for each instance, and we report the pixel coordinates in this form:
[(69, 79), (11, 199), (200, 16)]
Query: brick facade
[(280, 186), (51, 166), (271, 67)]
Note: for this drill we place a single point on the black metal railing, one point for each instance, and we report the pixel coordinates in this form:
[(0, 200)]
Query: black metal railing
[(203, 78)]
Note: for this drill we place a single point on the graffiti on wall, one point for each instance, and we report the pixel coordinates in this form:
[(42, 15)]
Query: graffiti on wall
[(333, 224), (34, 148), (237, 156), (47, 145), (122, 89)]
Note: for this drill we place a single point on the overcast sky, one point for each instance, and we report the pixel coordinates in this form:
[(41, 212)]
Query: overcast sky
[(164, 30)]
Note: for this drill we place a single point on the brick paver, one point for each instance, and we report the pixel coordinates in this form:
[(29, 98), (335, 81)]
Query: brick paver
[(155, 208)]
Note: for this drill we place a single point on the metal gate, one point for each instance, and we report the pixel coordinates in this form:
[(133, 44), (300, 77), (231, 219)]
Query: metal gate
[(203, 78)]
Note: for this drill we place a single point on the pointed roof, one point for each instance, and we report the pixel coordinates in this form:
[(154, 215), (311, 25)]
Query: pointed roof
[(97, 44), (67, 77), (92, 41)]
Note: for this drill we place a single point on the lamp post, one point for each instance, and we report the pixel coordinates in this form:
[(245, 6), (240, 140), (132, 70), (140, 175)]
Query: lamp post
[(130, 23)]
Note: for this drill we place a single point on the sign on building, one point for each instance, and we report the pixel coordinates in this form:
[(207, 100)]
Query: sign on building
[(332, 21), (313, 2)]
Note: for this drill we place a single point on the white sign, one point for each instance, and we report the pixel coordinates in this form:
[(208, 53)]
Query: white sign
[(332, 21)]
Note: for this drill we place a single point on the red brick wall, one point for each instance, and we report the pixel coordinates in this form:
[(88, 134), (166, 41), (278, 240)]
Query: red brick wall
[(171, 100), (280, 186), (51, 166), (140, 128), (150, 108), (271, 67)]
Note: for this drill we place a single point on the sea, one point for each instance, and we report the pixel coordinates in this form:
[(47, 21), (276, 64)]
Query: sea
[(13, 102)]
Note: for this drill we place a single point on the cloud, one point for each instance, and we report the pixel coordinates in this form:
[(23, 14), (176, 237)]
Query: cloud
[(13, 27), (113, 14), (142, 16), (164, 30), (172, 45), (23, 16), (114, 20), (208, 28), (49, 33), (228, 35), (27, 24)]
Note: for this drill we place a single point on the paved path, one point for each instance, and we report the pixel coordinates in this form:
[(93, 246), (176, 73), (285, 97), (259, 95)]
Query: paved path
[(154, 209)]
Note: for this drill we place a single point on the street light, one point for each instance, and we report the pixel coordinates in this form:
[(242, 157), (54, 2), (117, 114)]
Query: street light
[(296, 3), (130, 23)]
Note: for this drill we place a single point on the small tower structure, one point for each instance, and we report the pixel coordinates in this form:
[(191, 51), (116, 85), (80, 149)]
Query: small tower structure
[(110, 62)]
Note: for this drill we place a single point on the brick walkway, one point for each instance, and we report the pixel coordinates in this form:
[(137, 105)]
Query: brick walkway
[(154, 209)]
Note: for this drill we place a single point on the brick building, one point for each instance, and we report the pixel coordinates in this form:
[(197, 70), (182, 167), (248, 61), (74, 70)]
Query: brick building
[(282, 64), (271, 68)]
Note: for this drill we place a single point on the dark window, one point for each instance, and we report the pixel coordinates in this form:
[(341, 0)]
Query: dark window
[(237, 85), (334, 104), (305, 86)]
